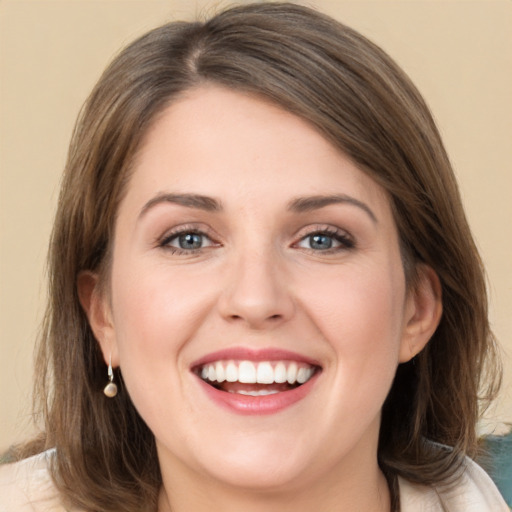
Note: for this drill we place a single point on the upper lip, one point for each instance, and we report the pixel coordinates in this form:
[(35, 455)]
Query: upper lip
[(251, 354)]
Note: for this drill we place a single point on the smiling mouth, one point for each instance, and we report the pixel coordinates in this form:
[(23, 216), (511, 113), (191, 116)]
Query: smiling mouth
[(255, 378)]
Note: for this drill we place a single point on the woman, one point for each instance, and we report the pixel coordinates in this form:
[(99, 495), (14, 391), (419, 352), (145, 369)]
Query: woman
[(261, 258)]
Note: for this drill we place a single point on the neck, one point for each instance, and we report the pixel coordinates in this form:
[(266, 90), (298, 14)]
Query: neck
[(364, 491)]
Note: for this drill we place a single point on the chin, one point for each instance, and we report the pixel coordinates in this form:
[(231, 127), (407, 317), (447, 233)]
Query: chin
[(259, 476)]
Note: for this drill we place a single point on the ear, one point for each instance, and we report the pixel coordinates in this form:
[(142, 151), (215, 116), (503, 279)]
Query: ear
[(98, 310), (423, 312)]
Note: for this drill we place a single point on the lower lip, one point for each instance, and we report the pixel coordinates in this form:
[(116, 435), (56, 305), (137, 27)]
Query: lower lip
[(265, 404)]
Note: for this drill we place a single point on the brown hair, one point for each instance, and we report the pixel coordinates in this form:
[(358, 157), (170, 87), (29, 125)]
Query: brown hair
[(359, 99)]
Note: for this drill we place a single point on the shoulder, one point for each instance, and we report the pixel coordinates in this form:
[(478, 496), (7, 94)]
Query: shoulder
[(473, 492), (27, 486)]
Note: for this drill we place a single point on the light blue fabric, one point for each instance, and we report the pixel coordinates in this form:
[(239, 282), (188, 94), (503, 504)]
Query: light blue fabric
[(499, 450)]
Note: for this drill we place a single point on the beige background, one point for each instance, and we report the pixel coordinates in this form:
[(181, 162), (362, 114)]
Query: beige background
[(458, 52)]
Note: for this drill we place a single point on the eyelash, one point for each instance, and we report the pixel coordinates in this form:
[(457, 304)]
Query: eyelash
[(345, 241), (164, 243)]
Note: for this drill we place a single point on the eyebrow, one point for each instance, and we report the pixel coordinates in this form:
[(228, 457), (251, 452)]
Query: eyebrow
[(299, 205), (197, 201), (310, 203)]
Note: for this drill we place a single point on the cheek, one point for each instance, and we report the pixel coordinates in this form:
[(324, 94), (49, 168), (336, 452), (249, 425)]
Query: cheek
[(360, 300), (156, 311), (360, 314), (154, 320)]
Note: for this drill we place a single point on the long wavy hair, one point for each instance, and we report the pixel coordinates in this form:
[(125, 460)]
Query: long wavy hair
[(361, 101)]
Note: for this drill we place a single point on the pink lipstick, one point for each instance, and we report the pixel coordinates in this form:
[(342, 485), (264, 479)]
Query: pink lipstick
[(251, 381)]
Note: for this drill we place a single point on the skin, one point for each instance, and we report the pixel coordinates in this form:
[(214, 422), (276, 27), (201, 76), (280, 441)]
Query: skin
[(257, 282)]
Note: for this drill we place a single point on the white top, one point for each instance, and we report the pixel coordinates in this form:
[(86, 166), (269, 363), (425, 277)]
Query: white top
[(26, 486), (475, 492)]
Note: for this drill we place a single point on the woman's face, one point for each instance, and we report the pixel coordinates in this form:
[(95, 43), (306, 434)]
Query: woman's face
[(249, 254)]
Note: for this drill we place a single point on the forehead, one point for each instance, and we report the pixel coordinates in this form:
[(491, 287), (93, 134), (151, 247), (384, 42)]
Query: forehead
[(231, 145)]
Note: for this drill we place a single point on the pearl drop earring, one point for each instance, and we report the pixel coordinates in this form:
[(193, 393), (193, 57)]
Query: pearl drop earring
[(110, 389)]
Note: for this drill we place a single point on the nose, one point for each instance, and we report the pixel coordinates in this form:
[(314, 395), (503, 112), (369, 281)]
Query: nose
[(257, 292)]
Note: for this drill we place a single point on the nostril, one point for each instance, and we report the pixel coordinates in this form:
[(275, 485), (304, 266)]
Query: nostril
[(271, 318)]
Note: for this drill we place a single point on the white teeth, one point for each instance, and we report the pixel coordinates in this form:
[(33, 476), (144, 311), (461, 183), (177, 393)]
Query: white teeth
[(304, 374), (219, 370), (246, 372), (264, 372), (231, 372), (280, 373), (291, 374), (260, 392)]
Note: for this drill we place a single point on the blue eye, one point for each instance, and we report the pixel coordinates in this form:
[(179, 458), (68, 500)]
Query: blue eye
[(186, 241), (320, 242), (190, 241), (326, 241)]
